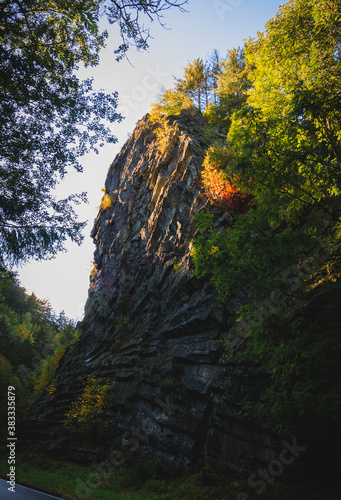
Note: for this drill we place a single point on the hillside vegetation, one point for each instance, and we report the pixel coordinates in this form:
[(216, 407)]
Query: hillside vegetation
[(32, 341), (273, 118)]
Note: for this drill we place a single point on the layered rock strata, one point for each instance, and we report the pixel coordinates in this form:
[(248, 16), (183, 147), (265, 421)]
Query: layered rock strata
[(152, 327)]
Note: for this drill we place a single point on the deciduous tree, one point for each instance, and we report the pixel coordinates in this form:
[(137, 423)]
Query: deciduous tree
[(284, 255), (48, 116)]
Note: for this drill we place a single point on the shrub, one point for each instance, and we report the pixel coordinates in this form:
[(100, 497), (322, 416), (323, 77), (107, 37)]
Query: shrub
[(93, 405), (221, 190), (49, 367), (170, 103), (107, 202), (301, 351)]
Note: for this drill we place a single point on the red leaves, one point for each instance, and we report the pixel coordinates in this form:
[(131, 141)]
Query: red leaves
[(222, 191)]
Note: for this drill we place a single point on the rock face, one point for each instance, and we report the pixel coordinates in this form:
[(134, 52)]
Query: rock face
[(152, 327)]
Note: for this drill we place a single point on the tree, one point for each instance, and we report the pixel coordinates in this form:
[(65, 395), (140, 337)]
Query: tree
[(283, 256), (127, 15), (214, 72), (230, 83), (48, 117), (195, 82), (233, 81), (32, 341), (171, 102), (284, 148)]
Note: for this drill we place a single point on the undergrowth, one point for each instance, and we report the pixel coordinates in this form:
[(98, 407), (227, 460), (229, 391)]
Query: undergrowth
[(137, 480)]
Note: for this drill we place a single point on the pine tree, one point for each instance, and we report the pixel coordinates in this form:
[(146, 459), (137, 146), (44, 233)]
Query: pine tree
[(195, 82)]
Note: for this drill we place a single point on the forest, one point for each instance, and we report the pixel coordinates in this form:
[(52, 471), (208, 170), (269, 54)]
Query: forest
[(32, 341), (271, 171)]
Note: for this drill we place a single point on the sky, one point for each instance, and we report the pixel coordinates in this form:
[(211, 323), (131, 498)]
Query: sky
[(207, 25)]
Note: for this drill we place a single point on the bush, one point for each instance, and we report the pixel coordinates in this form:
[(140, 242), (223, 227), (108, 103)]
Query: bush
[(221, 190), (107, 202), (93, 406), (301, 351)]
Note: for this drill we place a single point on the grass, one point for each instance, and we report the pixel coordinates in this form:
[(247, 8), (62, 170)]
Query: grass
[(138, 480)]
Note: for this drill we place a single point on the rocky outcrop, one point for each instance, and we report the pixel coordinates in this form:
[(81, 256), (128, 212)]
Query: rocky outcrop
[(152, 327)]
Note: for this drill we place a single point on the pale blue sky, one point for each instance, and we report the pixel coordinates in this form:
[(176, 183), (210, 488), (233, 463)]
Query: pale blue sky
[(208, 24)]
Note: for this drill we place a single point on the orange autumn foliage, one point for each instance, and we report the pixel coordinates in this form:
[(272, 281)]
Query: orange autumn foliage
[(223, 192)]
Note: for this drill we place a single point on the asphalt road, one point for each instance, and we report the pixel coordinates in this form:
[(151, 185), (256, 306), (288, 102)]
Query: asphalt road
[(22, 493)]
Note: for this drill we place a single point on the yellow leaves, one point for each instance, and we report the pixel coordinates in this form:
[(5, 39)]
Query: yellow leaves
[(213, 250), (171, 102), (163, 130), (93, 271), (24, 332), (107, 202), (51, 390), (93, 404)]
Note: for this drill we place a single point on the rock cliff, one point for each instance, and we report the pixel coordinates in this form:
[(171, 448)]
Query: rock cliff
[(152, 327)]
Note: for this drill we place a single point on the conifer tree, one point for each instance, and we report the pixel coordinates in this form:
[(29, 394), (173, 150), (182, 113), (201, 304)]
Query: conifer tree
[(233, 81), (195, 82)]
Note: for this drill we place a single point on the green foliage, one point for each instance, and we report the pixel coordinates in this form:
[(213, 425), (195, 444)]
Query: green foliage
[(76, 335), (195, 82), (53, 118), (233, 83), (300, 348), (137, 480), (230, 85), (283, 146), (47, 370), (49, 117), (7, 378), (283, 155), (129, 15), (171, 102), (216, 116), (32, 342), (199, 83)]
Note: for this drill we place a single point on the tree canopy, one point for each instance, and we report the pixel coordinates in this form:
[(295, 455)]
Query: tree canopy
[(282, 254), (48, 116)]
